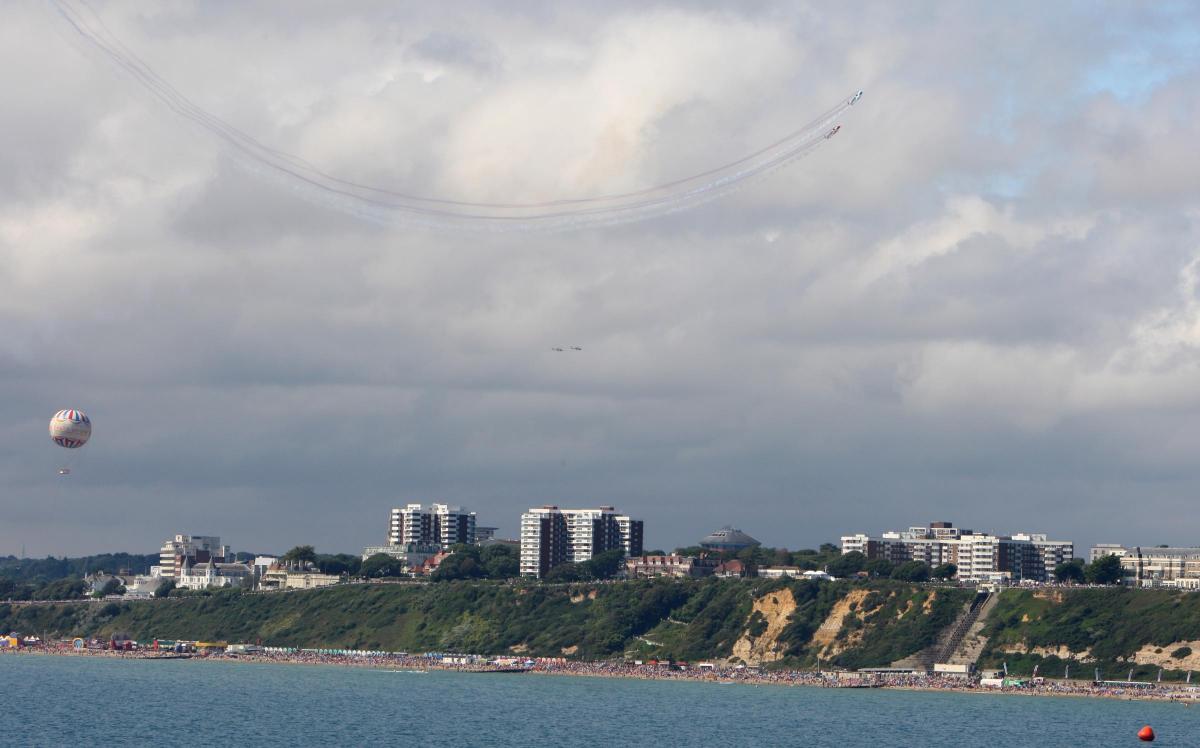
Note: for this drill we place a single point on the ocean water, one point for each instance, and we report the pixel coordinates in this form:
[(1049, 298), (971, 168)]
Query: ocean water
[(68, 701)]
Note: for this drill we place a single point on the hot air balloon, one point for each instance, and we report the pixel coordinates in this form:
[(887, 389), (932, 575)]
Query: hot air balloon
[(70, 429)]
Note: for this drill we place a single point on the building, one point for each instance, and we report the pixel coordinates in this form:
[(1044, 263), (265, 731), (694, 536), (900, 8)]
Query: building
[(795, 572), (680, 567), (96, 583), (732, 569), (1101, 550), (192, 550), (979, 556), (728, 539), (779, 572), (213, 574), (263, 564), (411, 555), (1160, 566), (438, 523), (142, 587), (551, 536), (484, 534), (282, 578)]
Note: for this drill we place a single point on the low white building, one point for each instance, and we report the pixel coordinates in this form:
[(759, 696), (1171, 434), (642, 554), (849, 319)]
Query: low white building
[(212, 574), (778, 572), (143, 587), (293, 579)]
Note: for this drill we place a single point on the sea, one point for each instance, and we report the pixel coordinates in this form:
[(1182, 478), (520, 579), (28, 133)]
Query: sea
[(92, 701)]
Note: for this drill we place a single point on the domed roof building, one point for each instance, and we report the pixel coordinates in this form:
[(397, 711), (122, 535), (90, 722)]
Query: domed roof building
[(728, 539)]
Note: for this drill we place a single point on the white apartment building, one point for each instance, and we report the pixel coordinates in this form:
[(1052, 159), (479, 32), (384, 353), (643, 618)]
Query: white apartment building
[(551, 536), (978, 556), (438, 523), (191, 548)]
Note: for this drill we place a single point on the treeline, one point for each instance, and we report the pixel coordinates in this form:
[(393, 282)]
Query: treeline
[(41, 570), (69, 588)]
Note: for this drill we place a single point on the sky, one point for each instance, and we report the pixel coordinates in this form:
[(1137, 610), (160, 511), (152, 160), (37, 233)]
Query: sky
[(978, 303)]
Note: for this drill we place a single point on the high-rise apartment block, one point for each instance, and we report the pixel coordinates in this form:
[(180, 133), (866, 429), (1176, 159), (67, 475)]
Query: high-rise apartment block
[(189, 550), (979, 556), (438, 523), (551, 536)]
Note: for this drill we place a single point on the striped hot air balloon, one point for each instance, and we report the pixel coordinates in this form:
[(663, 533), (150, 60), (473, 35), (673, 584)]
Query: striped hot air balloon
[(70, 428)]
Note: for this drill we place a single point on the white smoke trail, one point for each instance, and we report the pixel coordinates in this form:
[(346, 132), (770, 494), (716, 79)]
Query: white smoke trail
[(391, 208)]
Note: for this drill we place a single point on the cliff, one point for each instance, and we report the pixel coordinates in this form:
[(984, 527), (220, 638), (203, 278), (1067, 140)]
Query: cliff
[(790, 622)]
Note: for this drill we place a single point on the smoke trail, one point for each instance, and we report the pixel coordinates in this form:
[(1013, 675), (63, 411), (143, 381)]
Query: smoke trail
[(392, 207)]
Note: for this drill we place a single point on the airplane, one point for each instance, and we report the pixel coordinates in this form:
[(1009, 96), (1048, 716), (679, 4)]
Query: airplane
[(855, 98), (576, 348), (64, 471), (832, 132)]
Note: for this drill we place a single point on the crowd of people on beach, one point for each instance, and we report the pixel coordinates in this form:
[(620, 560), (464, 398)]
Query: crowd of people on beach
[(401, 661)]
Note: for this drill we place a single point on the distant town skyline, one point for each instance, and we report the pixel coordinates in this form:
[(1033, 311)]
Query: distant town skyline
[(977, 303)]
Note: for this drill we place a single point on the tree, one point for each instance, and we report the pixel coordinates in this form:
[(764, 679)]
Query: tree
[(1104, 570), (847, 564), (781, 557), (300, 555), (69, 588), (164, 588), (569, 572), (462, 563), (500, 561), (111, 587), (912, 571), (380, 565), (879, 567), (606, 565), (944, 571), (339, 563), (829, 548), (1069, 572)]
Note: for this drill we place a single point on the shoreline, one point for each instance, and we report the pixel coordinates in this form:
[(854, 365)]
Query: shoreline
[(622, 671)]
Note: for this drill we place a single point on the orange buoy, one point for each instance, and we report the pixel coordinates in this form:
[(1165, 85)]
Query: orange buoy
[(1146, 734)]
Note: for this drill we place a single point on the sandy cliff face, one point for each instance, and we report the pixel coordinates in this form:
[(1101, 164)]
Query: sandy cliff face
[(1061, 652), (775, 608), (826, 636), (1152, 654)]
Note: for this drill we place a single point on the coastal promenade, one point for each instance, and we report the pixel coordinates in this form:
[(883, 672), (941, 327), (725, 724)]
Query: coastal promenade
[(1179, 693)]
